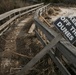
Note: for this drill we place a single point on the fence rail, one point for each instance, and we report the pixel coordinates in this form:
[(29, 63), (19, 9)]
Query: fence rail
[(63, 49), (8, 17), (59, 49)]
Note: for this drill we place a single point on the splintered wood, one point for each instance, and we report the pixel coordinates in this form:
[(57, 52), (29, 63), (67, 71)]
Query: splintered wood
[(31, 28), (45, 21)]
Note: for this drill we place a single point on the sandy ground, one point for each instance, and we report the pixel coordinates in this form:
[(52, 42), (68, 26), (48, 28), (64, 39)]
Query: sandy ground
[(65, 12), (23, 43), (18, 47)]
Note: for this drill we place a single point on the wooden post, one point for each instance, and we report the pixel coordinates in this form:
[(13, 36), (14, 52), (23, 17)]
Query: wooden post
[(43, 52)]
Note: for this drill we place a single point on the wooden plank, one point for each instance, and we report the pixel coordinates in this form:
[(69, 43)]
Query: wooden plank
[(7, 23), (31, 28), (46, 22), (4, 15), (40, 55), (59, 64)]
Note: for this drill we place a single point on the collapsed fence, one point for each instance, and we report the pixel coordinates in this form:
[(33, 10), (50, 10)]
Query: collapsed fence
[(59, 50), (63, 49), (8, 18)]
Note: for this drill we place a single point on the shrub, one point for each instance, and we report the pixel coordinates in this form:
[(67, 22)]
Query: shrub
[(6, 5)]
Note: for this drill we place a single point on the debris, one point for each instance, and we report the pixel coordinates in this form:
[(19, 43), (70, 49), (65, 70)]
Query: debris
[(31, 28), (21, 55)]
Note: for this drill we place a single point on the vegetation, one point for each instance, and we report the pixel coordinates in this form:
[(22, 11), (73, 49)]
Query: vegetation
[(6, 5), (53, 1), (59, 1)]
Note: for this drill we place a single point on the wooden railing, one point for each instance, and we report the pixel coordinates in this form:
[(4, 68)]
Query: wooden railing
[(60, 50), (8, 17)]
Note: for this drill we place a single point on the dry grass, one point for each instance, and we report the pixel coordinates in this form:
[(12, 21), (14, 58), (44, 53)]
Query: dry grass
[(6, 5)]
